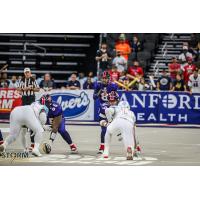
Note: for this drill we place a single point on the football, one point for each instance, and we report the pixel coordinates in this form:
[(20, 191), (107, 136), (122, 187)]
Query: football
[(46, 148)]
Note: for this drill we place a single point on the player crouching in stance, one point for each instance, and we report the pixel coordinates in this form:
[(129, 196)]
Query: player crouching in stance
[(32, 116), (122, 120), (56, 121)]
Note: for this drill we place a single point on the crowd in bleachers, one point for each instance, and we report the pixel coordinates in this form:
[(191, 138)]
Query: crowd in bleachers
[(126, 61), (125, 57)]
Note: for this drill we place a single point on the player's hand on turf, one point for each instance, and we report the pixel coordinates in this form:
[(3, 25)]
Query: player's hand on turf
[(47, 127)]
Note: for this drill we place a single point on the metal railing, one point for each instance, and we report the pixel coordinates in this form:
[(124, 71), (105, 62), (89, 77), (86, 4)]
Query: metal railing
[(164, 55)]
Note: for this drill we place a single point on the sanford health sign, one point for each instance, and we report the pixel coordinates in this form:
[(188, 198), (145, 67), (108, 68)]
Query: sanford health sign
[(164, 107)]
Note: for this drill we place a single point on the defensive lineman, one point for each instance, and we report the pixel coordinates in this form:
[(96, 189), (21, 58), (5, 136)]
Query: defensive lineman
[(121, 120), (57, 122), (33, 116)]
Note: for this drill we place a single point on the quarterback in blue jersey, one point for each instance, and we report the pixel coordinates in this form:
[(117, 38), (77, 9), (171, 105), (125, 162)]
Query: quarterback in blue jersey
[(101, 91)]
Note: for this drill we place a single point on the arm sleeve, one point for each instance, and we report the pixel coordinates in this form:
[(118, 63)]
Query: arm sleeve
[(96, 91), (43, 117), (109, 114)]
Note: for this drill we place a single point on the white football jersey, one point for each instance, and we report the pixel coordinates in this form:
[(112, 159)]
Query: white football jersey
[(194, 83), (115, 112), (111, 113)]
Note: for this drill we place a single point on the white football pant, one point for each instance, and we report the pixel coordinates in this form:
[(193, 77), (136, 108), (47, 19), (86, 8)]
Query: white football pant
[(123, 126), (24, 116)]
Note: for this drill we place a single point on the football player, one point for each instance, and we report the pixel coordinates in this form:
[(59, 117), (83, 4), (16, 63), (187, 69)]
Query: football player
[(32, 116), (101, 91)]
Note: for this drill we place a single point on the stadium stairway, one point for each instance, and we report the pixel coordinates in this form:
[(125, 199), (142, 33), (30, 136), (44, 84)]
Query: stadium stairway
[(60, 54), (170, 45)]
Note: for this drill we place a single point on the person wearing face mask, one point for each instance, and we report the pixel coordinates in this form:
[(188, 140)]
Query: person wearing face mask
[(123, 46), (136, 69), (184, 55), (103, 56), (120, 62), (13, 82), (188, 69)]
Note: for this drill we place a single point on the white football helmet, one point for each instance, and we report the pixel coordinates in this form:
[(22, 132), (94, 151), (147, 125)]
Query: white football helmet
[(124, 104)]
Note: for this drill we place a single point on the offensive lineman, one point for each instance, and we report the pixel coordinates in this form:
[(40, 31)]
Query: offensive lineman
[(57, 121), (122, 120), (102, 89), (32, 116)]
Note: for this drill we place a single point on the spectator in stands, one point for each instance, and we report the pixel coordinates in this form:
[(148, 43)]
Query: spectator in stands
[(47, 84), (122, 76), (120, 62), (188, 70), (178, 84), (197, 54), (91, 75), (88, 84), (174, 68), (142, 85), (125, 82), (164, 82), (103, 56), (73, 84), (123, 46), (4, 82), (194, 82), (184, 55), (82, 79), (136, 44), (193, 41), (13, 82), (135, 69), (19, 78), (114, 74)]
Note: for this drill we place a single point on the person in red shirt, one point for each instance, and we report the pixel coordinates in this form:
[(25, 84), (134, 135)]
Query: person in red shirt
[(174, 68), (135, 70), (114, 74), (188, 69)]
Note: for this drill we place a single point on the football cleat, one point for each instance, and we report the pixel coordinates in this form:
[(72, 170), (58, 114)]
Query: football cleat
[(31, 148), (138, 148), (36, 152), (105, 153), (101, 149), (105, 156), (73, 148), (129, 154)]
